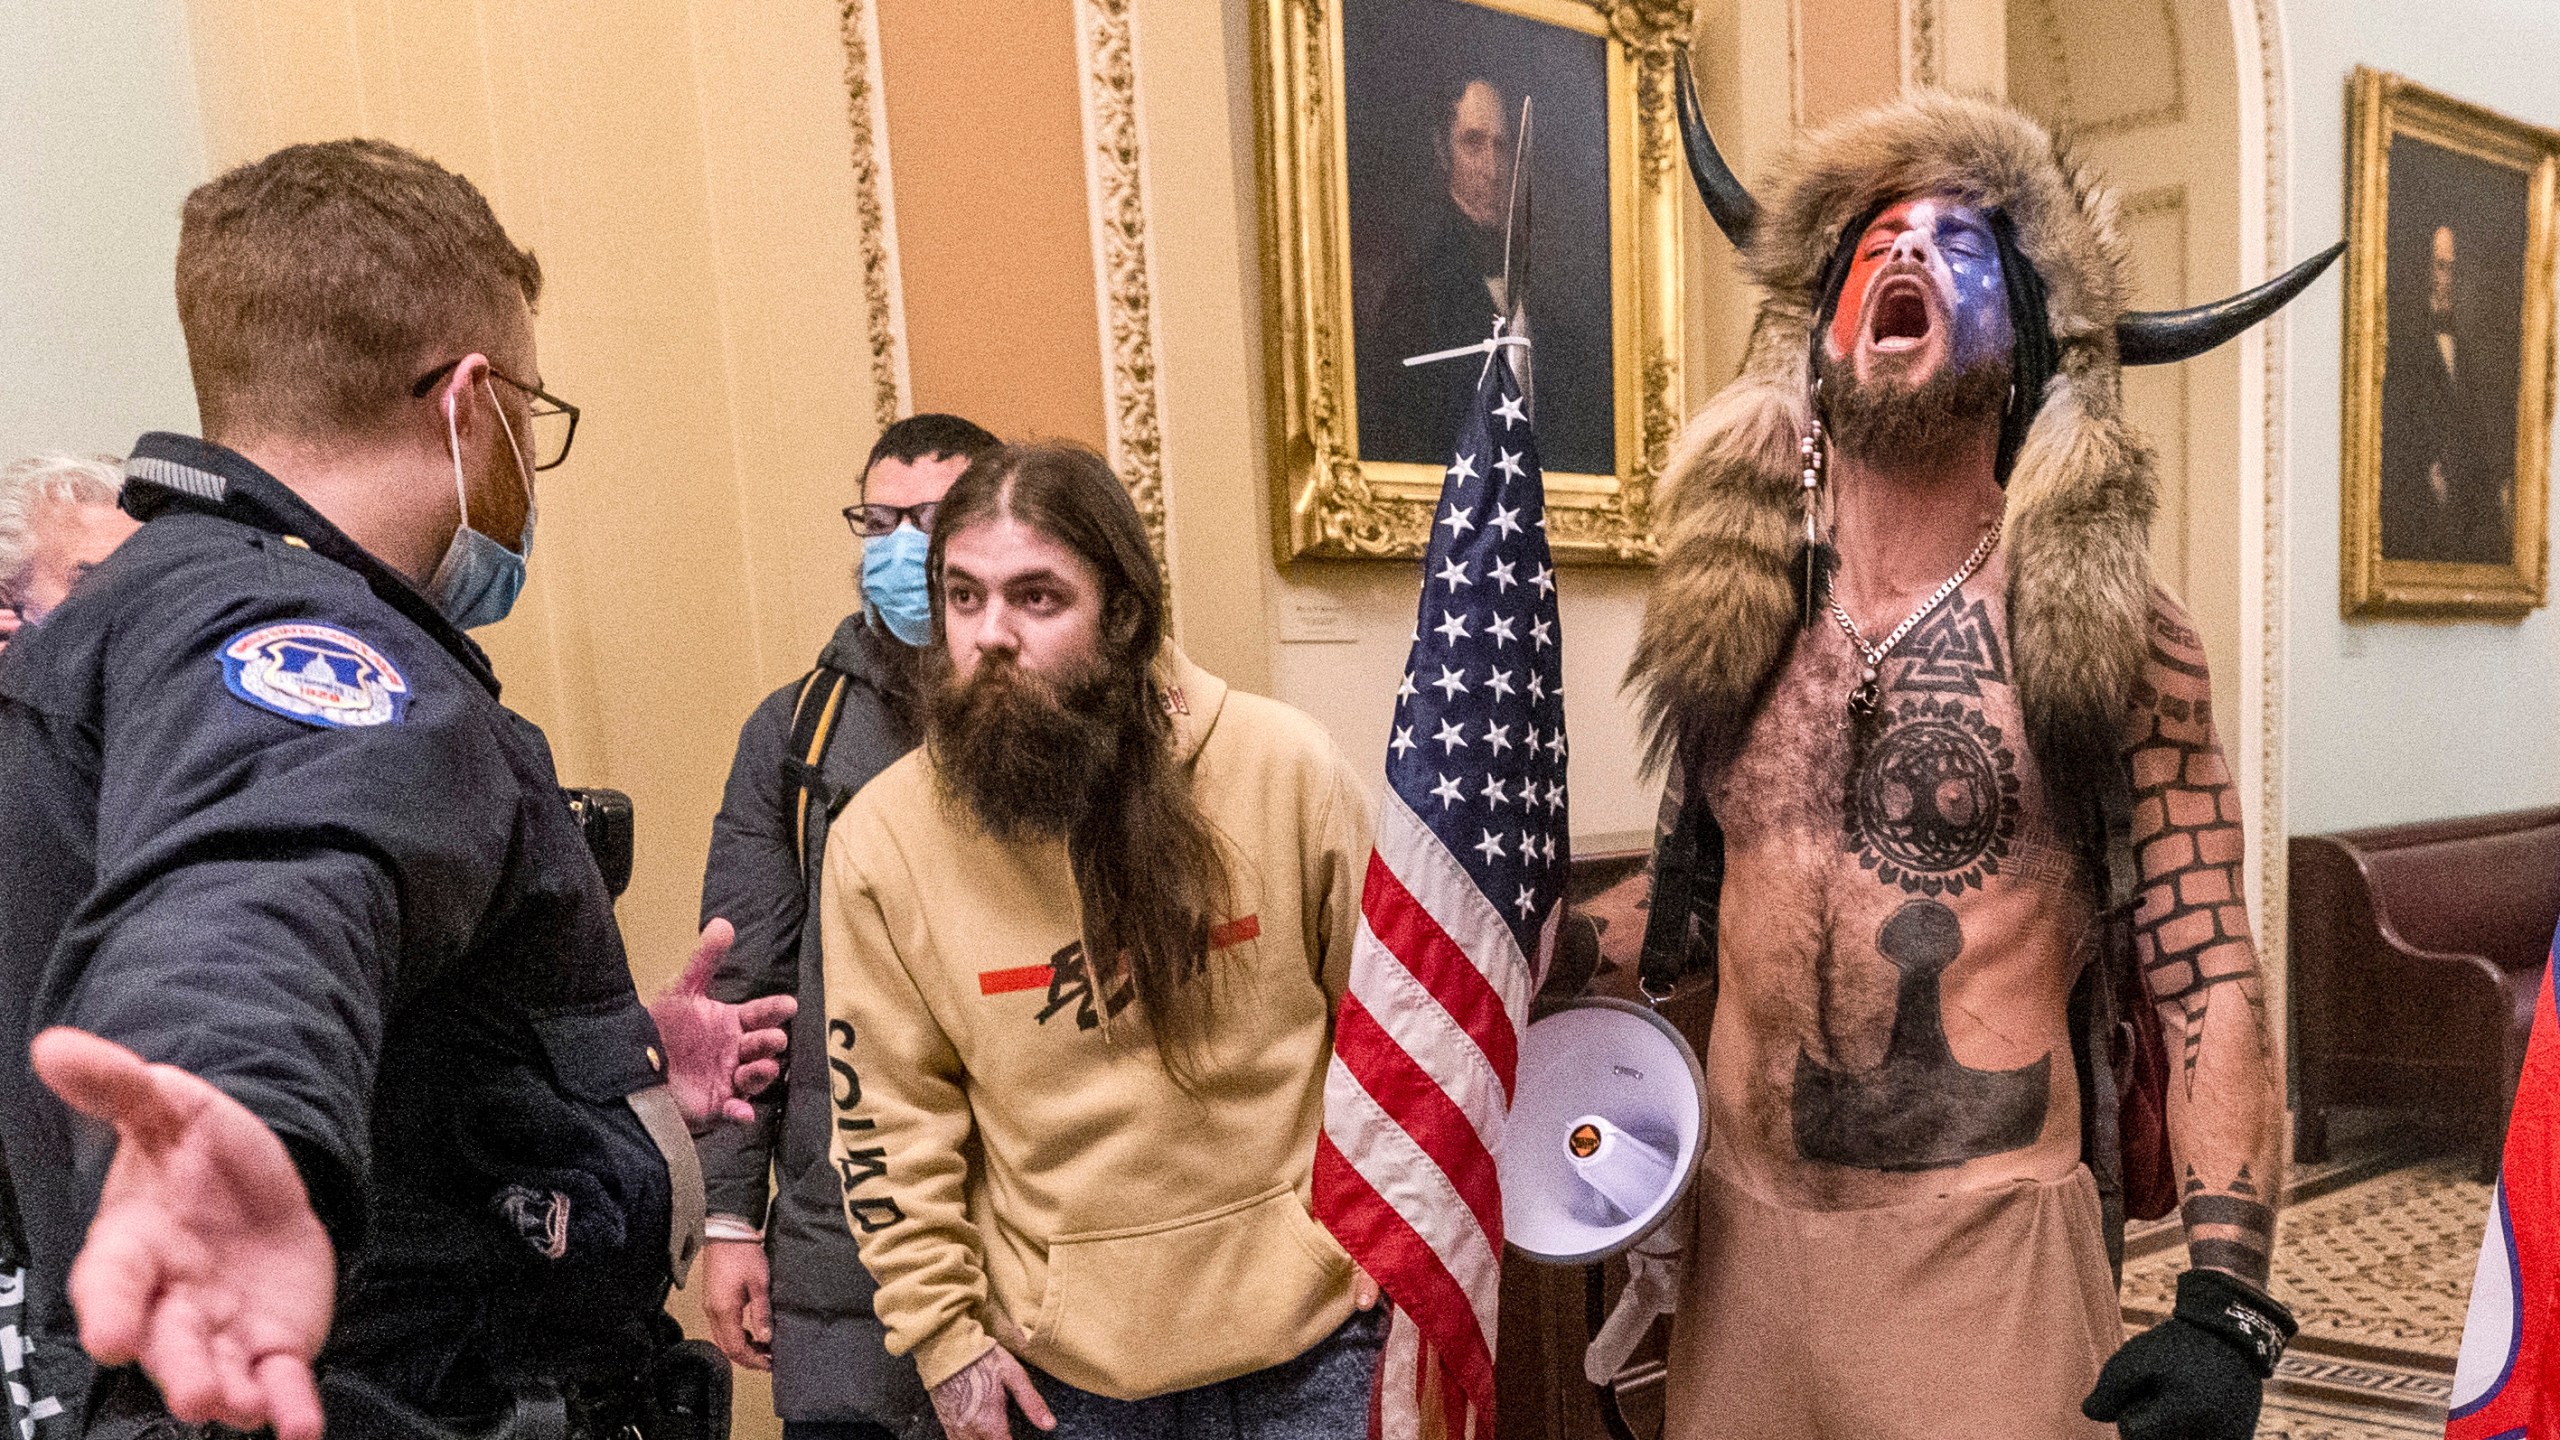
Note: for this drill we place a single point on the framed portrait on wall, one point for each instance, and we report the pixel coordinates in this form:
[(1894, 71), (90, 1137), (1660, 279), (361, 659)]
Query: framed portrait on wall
[(1388, 133), (2448, 375)]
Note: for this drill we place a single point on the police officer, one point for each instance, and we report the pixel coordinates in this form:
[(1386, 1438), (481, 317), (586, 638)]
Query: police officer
[(295, 905)]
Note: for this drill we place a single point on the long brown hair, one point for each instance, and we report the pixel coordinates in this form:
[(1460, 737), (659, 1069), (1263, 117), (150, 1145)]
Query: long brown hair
[(1150, 870)]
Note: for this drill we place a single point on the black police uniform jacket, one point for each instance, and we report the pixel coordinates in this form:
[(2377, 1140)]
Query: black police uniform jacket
[(266, 820)]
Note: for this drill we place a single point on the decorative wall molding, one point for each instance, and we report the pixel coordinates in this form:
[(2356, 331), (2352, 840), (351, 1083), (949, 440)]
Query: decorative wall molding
[(1924, 43), (2267, 35), (1124, 268), (2041, 20), (875, 212)]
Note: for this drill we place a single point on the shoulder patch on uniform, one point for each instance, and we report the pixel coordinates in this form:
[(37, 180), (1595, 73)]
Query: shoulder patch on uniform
[(318, 674)]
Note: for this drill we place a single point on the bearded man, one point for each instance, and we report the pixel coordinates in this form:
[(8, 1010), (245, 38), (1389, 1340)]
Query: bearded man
[(1083, 951), (1945, 778)]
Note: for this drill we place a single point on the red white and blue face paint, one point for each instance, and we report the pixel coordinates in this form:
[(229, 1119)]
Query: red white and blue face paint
[(1924, 289)]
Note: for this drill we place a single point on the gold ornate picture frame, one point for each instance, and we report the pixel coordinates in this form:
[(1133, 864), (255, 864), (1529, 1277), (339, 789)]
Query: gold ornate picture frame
[(2453, 217), (1330, 502)]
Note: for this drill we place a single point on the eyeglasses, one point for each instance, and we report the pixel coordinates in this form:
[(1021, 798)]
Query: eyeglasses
[(555, 421), (873, 521)]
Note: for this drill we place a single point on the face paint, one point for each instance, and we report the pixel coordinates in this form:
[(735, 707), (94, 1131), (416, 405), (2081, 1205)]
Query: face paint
[(1923, 267)]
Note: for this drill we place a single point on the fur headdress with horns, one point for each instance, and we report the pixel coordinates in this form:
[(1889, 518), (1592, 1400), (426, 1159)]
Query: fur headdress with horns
[(1725, 605)]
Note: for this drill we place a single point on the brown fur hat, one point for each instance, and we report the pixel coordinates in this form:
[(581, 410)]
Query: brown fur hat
[(1725, 604)]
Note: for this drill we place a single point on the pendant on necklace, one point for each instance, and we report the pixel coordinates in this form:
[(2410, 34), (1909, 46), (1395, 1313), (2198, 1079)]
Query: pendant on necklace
[(1864, 699)]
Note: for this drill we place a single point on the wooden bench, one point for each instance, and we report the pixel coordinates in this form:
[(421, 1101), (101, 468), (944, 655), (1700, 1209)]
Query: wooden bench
[(2416, 956)]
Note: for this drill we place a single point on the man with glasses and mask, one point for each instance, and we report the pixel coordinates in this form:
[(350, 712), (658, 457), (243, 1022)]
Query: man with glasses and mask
[(805, 1314), (295, 906)]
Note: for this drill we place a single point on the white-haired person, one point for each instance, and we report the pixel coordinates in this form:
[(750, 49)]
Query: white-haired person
[(58, 517)]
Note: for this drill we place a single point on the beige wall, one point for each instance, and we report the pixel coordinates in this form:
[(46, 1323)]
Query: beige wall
[(986, 154), (1849, 55)]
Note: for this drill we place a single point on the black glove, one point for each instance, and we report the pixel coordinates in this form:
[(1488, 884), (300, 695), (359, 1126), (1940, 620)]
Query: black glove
[(2198, 1374)]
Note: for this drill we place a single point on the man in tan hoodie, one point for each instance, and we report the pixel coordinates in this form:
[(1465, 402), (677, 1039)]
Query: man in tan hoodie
[(1098, 1165)]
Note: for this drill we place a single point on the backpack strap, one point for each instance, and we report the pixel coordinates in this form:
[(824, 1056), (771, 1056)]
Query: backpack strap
[(1688, 893), (813, 725)]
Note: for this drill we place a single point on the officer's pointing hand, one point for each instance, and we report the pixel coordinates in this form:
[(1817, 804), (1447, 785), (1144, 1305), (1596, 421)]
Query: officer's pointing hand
[(719, 1055), (205, 1262)]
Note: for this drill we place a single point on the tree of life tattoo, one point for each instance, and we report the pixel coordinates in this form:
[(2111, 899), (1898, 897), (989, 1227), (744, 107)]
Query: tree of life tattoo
[(1932, 802), (2191, 923), (1921, 1109)]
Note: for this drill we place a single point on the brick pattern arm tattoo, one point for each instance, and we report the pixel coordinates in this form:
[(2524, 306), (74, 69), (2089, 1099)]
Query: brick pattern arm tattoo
[(2192, 940)]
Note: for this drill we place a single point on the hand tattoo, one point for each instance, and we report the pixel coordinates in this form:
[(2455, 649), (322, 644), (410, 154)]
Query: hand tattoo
[(962, 1400)]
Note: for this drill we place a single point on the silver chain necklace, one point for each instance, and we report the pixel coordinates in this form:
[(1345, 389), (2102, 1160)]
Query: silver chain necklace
[(1863, 700)]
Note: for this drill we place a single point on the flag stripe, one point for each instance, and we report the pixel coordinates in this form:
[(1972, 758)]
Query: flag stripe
[(1360, 1213), (1392, 1077), (1417, 940), (1413, 1016), (1426, 870), (1396, 1167), (1399, 1362)]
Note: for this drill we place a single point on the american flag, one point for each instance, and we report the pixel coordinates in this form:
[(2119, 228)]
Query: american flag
[(2506, 1380), (1457, 915)]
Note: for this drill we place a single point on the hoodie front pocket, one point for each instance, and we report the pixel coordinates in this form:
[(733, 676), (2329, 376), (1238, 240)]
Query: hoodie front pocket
[(1154, 1309)]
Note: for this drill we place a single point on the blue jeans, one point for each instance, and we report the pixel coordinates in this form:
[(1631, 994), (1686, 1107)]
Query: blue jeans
[(1321, 1395)]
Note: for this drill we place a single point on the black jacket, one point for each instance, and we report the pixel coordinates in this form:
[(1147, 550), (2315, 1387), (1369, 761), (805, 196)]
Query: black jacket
[(266, 820), (829, 1360)]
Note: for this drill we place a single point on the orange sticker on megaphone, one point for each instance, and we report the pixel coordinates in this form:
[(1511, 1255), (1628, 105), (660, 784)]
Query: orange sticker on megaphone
[(1584, 1142)]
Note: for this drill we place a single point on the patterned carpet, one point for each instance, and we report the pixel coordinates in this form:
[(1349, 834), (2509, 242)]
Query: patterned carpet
[(2375, 1256)]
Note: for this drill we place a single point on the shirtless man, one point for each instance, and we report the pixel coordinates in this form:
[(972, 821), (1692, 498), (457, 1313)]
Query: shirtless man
[(1904, 785)]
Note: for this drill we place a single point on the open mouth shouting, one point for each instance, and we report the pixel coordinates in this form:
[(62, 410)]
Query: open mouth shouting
[(1901, 313)]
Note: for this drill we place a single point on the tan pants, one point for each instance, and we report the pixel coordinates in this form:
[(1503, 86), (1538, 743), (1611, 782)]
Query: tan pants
[(1981, 1316)]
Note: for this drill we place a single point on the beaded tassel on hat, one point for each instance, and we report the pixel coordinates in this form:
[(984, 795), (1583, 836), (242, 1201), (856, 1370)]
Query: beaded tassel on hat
[(1811, 451)]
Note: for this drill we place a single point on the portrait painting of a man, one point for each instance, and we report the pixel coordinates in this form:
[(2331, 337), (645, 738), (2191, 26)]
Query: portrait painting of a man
[(2453, 234), (2453, 342), (1432, 102)]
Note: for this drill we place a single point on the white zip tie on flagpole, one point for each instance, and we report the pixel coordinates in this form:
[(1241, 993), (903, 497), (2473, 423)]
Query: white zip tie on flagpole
[(1482, 347)]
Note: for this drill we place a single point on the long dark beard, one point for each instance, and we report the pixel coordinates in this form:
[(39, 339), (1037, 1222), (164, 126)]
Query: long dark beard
[(1887, 418), (1019, 755), (1091, 760)]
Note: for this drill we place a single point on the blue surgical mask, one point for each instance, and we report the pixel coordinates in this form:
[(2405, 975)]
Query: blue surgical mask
[(893, 583), (479, 579)]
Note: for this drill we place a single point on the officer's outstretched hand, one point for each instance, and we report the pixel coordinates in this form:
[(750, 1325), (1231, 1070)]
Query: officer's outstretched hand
[(719, 1055), (205, 1262)]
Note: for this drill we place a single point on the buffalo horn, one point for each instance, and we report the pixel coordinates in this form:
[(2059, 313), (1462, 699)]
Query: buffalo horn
[(2162, 337), (1732, 206)]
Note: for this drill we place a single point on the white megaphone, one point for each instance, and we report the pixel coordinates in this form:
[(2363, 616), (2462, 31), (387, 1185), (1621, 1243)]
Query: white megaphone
[(1607, 1119)]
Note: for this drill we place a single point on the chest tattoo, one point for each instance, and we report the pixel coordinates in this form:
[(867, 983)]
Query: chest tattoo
[(1931, 803), (1954, 651), (1921, 1109)]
